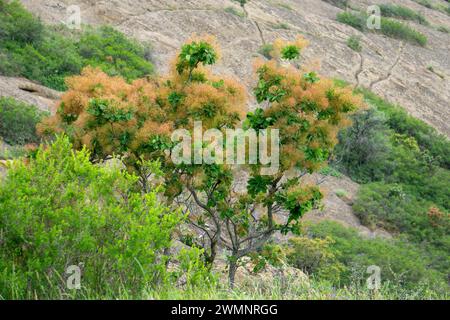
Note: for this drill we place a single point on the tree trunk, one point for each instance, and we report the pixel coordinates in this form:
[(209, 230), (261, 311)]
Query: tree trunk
[(232, 271)]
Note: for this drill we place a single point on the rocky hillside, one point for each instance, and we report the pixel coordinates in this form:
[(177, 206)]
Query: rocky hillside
[(413, 76)]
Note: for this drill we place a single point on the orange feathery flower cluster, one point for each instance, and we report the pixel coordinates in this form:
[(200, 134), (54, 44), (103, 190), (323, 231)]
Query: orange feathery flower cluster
[(111, 116)]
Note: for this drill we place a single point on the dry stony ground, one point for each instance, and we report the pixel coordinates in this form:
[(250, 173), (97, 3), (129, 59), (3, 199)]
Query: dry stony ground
[(395, 70)]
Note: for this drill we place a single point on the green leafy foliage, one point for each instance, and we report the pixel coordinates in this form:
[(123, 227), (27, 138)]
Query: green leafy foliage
[(290, 52), (315, 257), (405, 165), (50, 54), (18, 122), (401, 263), (354, 20), (386, 144), (17, 24), (62, 210), (195, 53), (257, 120), (114, 53), (390, 206)]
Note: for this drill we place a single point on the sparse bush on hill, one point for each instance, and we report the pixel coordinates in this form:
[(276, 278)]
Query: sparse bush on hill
[(315, 257), (354, 43), (389, 27), (396, 11), (234, 11)]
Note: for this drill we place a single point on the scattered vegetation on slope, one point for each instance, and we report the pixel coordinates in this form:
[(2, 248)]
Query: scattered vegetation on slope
[(389, 27), (396, 11), (49, 54), (403, 163), (402, 263)]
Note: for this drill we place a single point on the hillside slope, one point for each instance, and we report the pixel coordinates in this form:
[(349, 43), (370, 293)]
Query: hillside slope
[(417, 78)]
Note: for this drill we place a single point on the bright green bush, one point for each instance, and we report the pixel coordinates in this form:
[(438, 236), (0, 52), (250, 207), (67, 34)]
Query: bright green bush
[(18, 122), (61, 210)]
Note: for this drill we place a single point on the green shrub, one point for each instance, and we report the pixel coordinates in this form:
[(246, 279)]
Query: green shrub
[(315, 257), (18, 122), (234, 11), (401, 263), (390, 206), (241, 2), (363, 148), (114, 53), (354, 43), (398, 30), (330, 171), (357, 21), (401, 122), (425, 3), (281, 25), (341, 193), (396, 11), (18, 25), (61, 210)]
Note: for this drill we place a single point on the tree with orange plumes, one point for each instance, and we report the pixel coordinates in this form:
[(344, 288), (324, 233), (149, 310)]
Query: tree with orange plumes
[(110, 116)]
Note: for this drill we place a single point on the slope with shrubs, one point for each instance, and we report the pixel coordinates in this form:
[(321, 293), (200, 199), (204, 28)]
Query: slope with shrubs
[(47, 54), (57, 208), (388, 27), (403, 164)]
